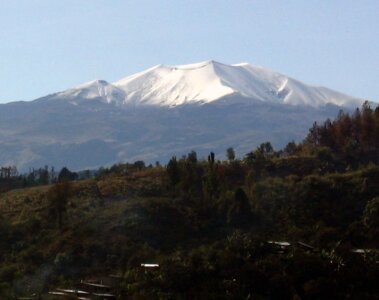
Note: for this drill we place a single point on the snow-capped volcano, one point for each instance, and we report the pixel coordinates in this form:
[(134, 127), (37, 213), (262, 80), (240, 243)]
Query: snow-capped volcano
[(209, 81), (164, 111)]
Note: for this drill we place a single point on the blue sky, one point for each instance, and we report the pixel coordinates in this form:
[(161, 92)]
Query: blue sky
[(50, 45)]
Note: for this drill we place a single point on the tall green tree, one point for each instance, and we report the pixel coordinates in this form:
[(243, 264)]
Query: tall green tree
[(173, 172)]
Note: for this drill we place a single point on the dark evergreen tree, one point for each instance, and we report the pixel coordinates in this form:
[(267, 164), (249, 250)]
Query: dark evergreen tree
[(239, 212), (66, 175), (139, 164), (173, 171), (58, 196)]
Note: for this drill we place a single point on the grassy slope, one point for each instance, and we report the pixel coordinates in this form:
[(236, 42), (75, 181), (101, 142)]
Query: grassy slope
[(100, 215)]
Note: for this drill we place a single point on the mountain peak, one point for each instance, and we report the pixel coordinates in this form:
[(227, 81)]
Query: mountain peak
[(95, 89), (208, 81), (193, 66), (205, 82), (167, 85)]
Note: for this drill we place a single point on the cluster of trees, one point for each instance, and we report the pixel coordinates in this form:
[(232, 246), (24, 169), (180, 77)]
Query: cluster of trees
[(10, 178), (354, 137), (254, 192), (210, 186), (8, 172)]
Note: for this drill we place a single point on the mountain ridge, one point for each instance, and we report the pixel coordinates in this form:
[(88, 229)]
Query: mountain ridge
[(205, 82)]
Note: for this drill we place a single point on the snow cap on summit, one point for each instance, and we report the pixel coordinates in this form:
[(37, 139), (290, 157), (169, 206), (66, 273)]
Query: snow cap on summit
[(209, 81), (205, 82)]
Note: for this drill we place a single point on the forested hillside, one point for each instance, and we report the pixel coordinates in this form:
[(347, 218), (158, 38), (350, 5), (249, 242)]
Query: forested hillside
[(298, 223)]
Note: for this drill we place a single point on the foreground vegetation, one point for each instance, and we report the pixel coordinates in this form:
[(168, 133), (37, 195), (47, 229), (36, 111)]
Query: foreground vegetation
[(218, 229)]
